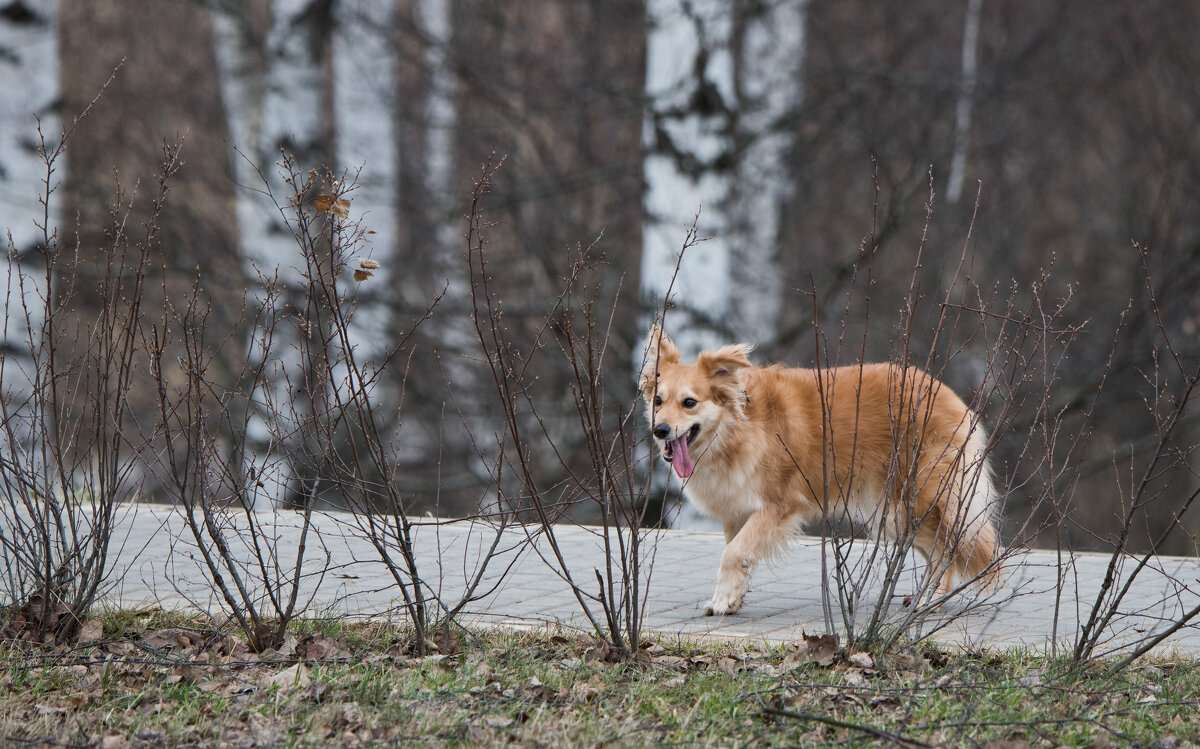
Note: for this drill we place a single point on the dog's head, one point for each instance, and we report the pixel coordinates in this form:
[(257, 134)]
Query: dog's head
[(687, 403)]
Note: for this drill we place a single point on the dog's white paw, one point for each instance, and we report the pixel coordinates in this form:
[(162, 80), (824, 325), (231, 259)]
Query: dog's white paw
[(725, 601)]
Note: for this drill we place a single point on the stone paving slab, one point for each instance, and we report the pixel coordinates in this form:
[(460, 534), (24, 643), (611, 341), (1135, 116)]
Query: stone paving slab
[(156, 561)]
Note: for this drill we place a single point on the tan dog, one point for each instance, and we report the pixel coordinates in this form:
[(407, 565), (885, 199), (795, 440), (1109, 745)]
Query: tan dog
[(765, 450)]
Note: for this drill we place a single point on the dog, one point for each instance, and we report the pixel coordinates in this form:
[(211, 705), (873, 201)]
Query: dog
[(766, 450)]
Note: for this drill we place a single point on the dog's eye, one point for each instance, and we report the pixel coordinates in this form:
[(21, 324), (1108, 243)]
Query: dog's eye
[(658, 400), (689, 402)]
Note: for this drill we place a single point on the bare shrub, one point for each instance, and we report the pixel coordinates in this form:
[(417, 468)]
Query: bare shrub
[(1159, 476), (308, 426), (68, 461), (609, 479)]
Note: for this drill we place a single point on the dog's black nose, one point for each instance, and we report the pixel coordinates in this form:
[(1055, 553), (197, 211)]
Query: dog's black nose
[(662, 431)]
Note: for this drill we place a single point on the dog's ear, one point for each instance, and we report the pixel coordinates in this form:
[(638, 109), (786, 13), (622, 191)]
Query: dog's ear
[(660, 352), (722, 367), (725, 361)]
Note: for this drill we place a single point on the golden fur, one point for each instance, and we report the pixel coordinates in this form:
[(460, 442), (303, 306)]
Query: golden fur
[(898, 450)]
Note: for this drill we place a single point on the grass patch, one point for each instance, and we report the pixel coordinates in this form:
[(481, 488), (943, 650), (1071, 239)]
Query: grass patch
[(162, 679)]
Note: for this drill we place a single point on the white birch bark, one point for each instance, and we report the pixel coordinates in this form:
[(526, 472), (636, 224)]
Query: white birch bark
[(687, 59), (440, 122), (28, 89), (769, 88), (364, 87), (962, 111), (704, 105), (29, 73), (275, 98)]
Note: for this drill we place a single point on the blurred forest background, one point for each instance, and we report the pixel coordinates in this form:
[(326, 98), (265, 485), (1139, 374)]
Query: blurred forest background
[(802, 130)]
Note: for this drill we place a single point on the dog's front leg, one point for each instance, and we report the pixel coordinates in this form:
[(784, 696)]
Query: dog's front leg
[(760, 533)]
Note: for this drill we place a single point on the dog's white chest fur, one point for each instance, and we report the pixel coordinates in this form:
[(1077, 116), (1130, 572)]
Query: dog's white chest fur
[(729, 495)]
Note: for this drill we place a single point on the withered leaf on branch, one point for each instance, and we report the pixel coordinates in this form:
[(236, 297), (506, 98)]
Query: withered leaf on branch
[(368, 264), (362, 275), (328, 204)]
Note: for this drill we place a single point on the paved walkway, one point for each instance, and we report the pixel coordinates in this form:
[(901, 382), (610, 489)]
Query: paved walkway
[(158, 561)]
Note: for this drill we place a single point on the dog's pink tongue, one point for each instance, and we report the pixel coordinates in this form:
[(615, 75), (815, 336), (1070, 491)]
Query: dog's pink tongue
[(680, 460)]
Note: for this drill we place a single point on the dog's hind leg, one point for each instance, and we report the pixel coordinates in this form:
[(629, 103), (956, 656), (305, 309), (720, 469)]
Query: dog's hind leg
[(762, 534)]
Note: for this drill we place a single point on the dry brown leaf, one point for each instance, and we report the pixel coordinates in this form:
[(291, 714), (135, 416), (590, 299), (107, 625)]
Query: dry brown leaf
[(729, 665), (822, 649), (362, 275), (584, 693), (295, 676), (862, 660), (339, 207), (368, 264), (350, 714), (1020, 742), (265, 731), (819, 649), (114, 741), (91, 631), (51, 709), (676, 662), (318, 648), (161, 639)]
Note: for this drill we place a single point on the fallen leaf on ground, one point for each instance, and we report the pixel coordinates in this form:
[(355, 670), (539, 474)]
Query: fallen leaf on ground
[(671, 661), (294, 676), (91, 631), (819, 649), (862, 660)]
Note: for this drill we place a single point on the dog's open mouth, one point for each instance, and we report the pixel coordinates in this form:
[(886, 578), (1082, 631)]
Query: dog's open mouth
[(676, 453)]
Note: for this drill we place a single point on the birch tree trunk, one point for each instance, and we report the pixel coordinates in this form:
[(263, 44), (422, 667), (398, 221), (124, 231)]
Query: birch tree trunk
[(768, 47), (165, 92), (962, 109), (29, 87), (688, 167), (276, 69), (364, 92)]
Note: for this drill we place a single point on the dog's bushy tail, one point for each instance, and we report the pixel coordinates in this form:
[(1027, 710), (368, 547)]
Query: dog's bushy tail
[(978, 550)]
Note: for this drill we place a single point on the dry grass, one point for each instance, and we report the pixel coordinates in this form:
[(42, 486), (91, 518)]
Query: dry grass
[(155, 679)]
